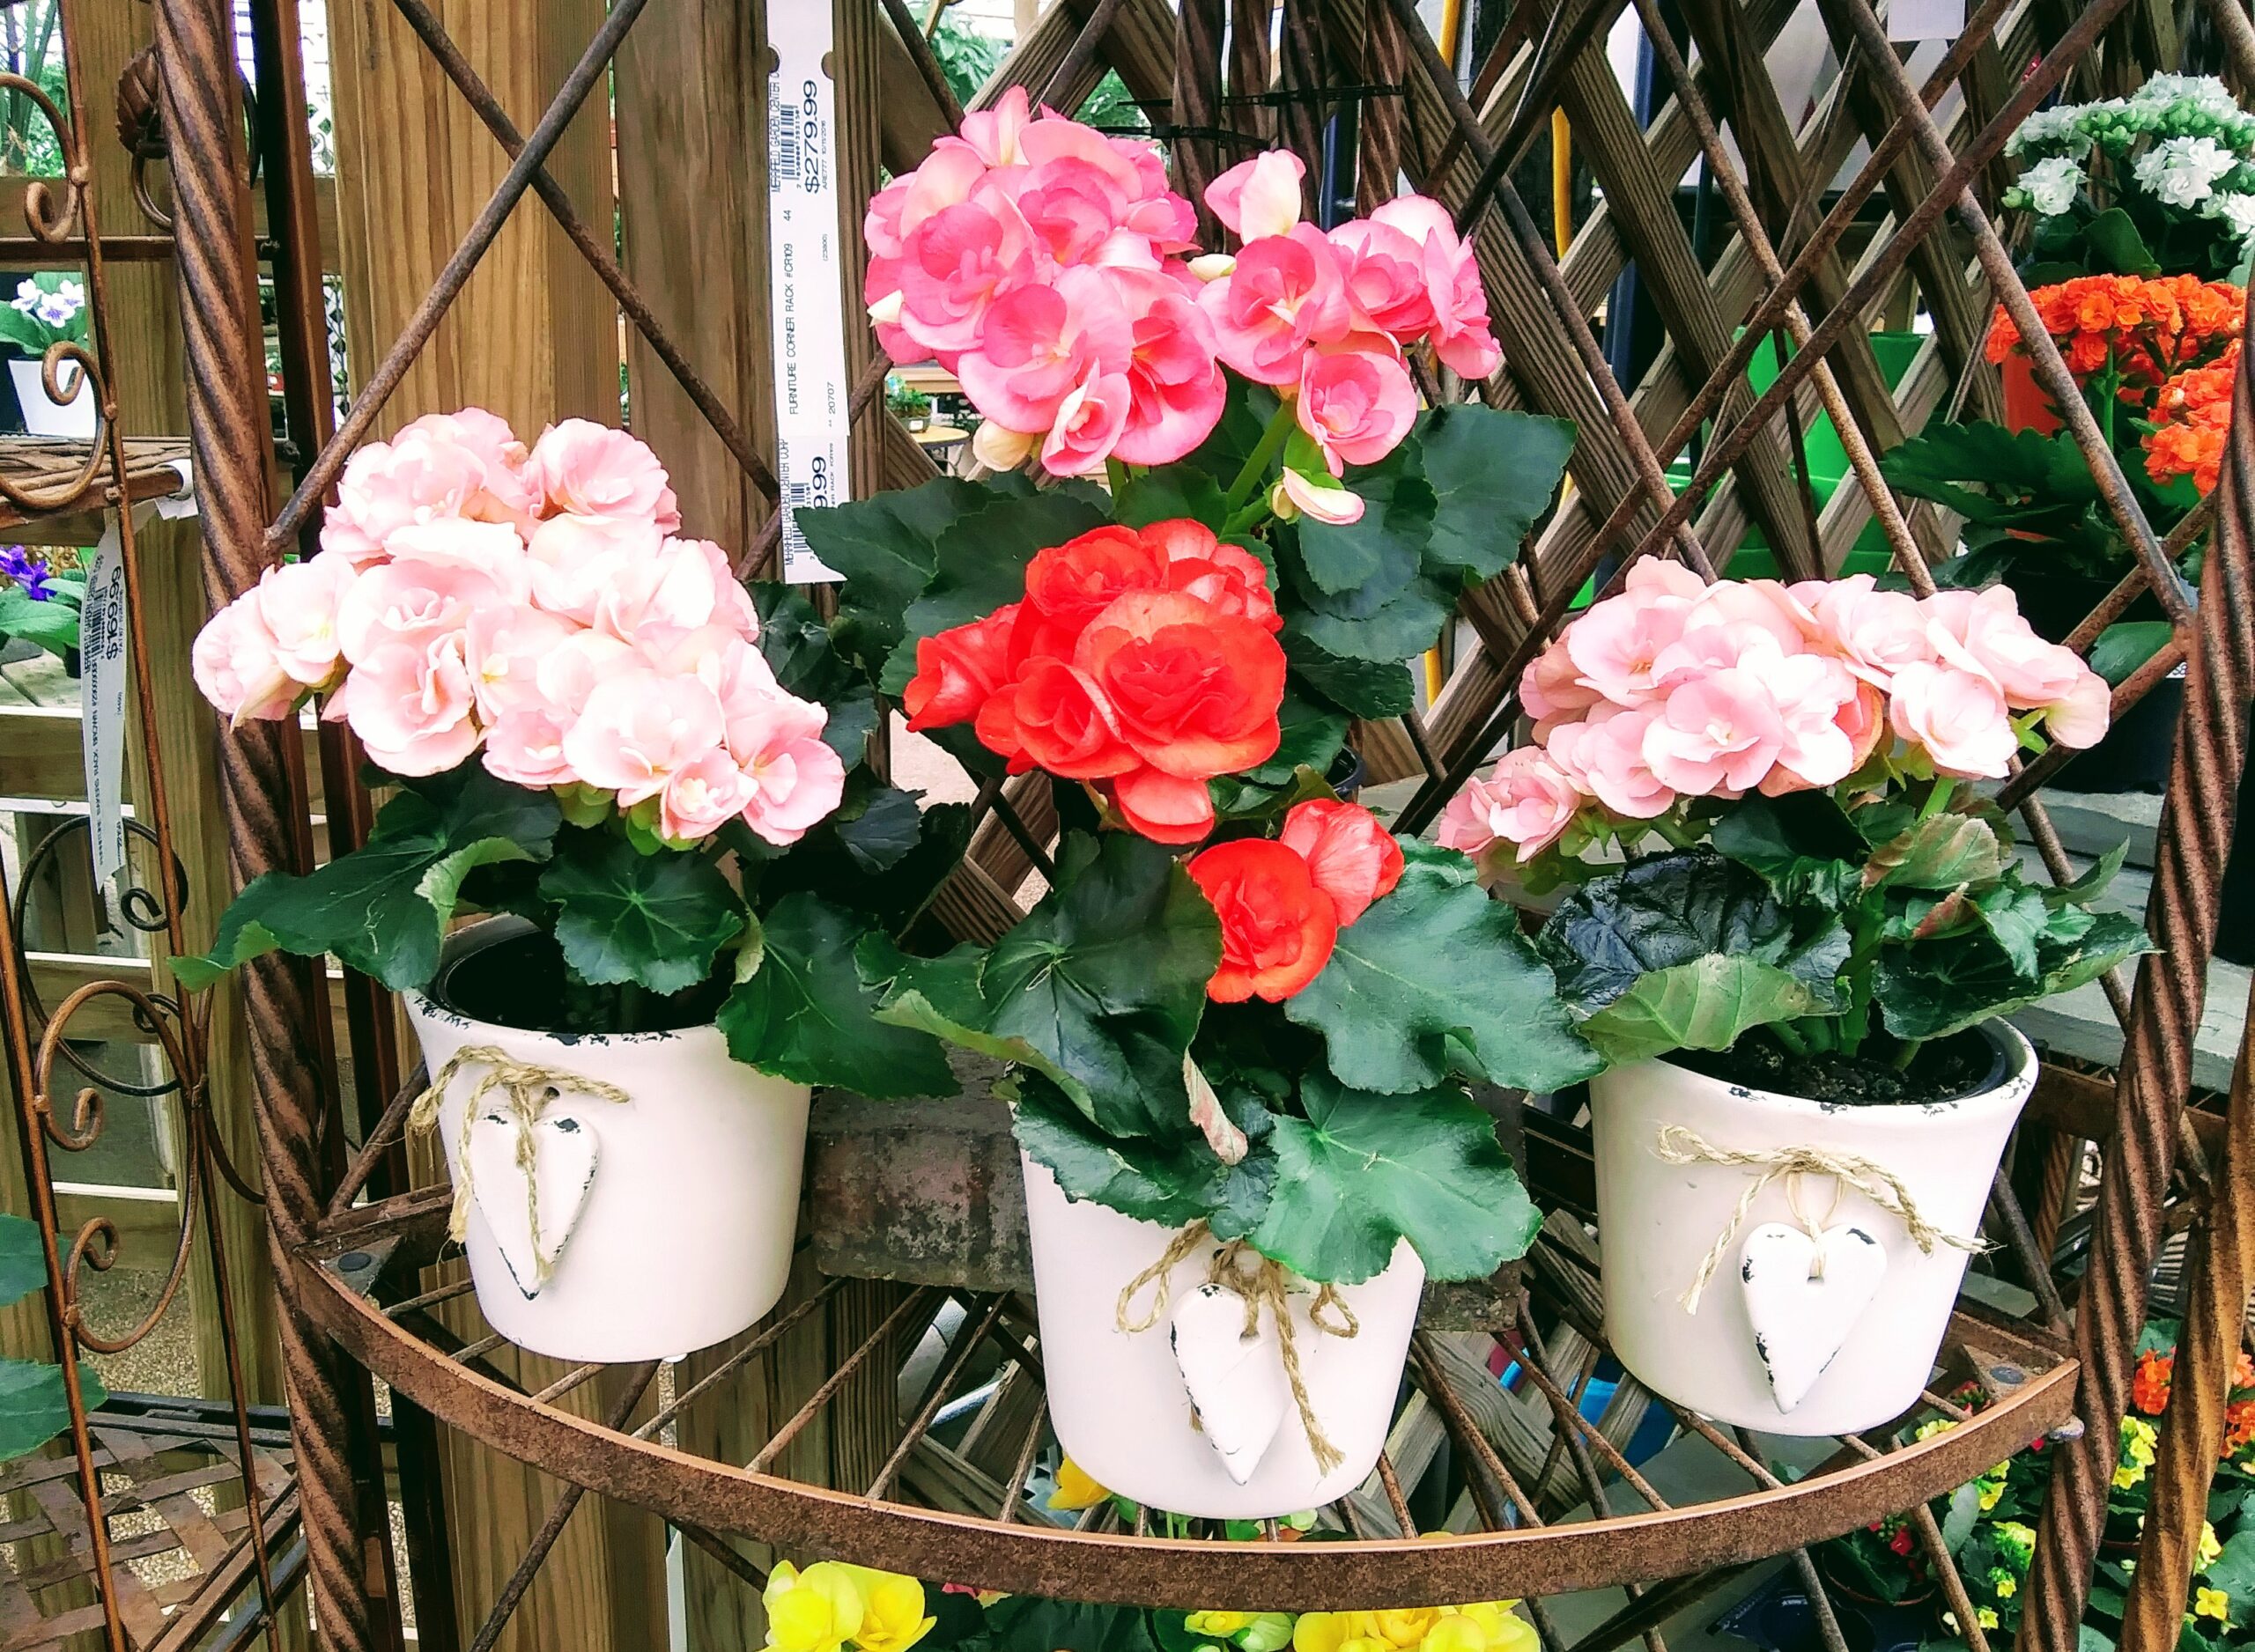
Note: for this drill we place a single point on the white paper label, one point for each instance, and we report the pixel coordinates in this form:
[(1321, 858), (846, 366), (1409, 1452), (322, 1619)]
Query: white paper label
[(1924, 19), (806, 310), (101, 720)]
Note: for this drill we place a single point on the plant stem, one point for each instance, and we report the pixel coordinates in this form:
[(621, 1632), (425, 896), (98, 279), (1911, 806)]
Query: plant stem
[(1256, 462), (1938, 799), (1907, 1053), (1116, 473), (1788, 1035)]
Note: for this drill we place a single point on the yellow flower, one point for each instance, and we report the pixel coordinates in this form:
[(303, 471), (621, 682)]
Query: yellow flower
[(2005, 1584), (893, 1611), (2209, 1548), (2212, 1603), (1928, 1430), (1406, 1627), (1987, 1615), (817, 1609), (1074, 1488), (1220, 1624), (1456, 1634), (1321, 1632), (1269, 1632)]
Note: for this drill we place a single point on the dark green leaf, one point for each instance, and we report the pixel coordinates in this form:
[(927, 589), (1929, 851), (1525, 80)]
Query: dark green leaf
[(2116, 246), (656, 920), (52, 624), (886, 828), (1803, 844), (1373, 623), (1673, 909), (1385, 549), (1027, 1621), (1436, 978), (1171, 1181), (1169, 491), (978, 566), (2093, 883), (2125, 646), (1361, 687), (1366, 1170), (33, 1408), (1101, 987), (1492, 473), (885, 548), (1930, 989), (807, 1015), (2016, 919), (23, 1258), (382, 908)]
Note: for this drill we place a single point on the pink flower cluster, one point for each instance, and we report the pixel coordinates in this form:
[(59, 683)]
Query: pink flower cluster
[(1677, 689), (1039, 261), (540, 606)]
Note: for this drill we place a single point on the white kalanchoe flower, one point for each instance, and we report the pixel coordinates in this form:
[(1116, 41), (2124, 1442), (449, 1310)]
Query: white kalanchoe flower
[(2203, 92), (2237, 210), (2181, 172), (2049, 128), (2050, 185)]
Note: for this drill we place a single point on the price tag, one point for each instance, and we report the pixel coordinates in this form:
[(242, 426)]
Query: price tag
[(806, 310), (101, 720), (1924, 19)]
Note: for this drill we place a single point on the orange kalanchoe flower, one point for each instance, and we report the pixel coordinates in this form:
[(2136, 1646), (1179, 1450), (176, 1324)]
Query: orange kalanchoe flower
[(2150, 328), (2149, 1387), (2191, 419)]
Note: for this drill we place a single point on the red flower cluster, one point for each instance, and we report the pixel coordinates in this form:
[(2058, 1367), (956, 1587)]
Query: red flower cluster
[(2192, 418), (1284, 902), (1145, 662), (2150, 328)]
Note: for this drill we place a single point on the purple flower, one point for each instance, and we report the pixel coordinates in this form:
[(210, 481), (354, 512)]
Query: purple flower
[(18, 564)]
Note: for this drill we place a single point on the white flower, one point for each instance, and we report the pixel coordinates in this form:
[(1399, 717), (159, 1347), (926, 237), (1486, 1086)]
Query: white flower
[(2205, 92), (27, 296), (56, 310), (2050, 185), (2238, 211), (2049, 128), (2180, 172)]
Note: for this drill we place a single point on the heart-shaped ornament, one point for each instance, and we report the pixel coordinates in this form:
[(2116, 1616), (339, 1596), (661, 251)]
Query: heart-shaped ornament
[(1236, 1383), (564, 1170), (1803, 1296)]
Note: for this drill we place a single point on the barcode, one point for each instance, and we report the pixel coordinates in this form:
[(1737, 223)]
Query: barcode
[(784, 154)]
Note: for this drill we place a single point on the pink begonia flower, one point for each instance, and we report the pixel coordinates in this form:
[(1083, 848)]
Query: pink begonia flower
[(1090, 420), (1714, 735), (1460, 334), (410, 703), (993, 133), (1039, 344), (1285, 292), (1131, 168), (956, 265), (2078, 717), (1877, 632), (489, 548), (675, 591), (296, 604), (1176, 391), (638, 727), (1660, 576), (1810, 693), (1528, 801), (796, 779), (1762, 603), (1074, 209), (412, 602), (1617, 647), (526, 748), (1384, 274), (421, 474), (1260, 197), (1320, 498), (1551, 690), (575, 560), (1605, 757), (702, 797), (2029, 670), (567, 673), (503, 648), (946, 179), (1958, 717), (237, 667), (589, 469), (1357, 404)]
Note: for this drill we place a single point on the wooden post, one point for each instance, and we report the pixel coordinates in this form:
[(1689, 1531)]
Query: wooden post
[(533, 336)]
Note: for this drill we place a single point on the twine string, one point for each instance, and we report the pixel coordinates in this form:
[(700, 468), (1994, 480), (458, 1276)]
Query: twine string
[(1678, 1145), (1261, 1286), (529, 1087)]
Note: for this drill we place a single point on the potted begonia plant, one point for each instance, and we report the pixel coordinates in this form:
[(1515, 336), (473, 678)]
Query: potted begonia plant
[(1241, 1020), (653, 779), (1800, 991)]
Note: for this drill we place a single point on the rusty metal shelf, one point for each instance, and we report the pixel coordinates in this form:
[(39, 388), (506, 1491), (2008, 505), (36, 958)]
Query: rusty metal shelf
[(376, 1255), (58, 488)]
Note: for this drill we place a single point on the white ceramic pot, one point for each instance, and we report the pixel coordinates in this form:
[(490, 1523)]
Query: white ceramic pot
[(1881, 1321), (690, 1189), (1118, 1400), (74, 418)]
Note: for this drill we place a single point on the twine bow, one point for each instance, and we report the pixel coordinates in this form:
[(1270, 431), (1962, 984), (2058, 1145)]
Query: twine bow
[(530, 1088), (1262, 1286), (1677, 1145)]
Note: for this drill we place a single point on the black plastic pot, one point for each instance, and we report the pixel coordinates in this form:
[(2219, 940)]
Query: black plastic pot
[(2235, 926), (2134, 755)]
